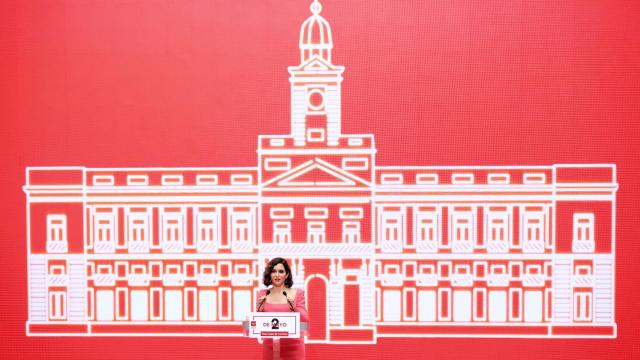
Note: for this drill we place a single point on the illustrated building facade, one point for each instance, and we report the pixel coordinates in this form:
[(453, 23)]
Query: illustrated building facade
[(381, 250)]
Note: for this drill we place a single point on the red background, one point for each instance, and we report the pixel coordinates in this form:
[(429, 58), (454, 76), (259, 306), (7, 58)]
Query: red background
[(193, 83)]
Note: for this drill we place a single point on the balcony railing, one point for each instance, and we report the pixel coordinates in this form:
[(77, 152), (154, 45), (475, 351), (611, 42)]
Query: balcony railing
[(582, 280), (427, 280), (387, 246), (392, 279), (104, 280), (241, 279), (207, 279), (427, 247), (583, 246), (240, 246), (57, 280), (138, 279), (207, 247), (172, 279), (138, 247), (533, 247), (533, 280), (462, 247), (104, 247), (57, 247), (462, 280), (172, 247), (500, 280), (497, 247)]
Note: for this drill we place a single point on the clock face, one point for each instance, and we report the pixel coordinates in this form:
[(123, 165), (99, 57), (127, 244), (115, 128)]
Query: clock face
[(315, 98)]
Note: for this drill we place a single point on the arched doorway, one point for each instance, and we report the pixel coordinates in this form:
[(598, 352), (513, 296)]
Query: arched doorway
[(317, 305)]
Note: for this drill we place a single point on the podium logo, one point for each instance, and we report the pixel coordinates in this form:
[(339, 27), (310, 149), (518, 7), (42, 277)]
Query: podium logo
[(275, 324)]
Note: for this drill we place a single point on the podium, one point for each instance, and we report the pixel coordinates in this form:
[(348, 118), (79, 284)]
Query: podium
[(276, 325)]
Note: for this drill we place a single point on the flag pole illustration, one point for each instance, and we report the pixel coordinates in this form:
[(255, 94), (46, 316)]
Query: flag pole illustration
[(381, 250)]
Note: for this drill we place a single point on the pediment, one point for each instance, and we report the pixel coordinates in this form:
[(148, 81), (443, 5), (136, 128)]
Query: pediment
[(316, 63), (316, 173)]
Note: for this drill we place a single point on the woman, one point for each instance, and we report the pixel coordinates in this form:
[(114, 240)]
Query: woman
[(280, 297)]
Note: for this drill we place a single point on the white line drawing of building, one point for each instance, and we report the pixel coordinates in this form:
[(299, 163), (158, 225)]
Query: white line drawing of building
[(382, 251)]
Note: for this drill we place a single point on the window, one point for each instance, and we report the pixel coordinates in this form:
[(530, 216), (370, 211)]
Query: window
[(315, 232), (57, 233), (241, 304), (533, 308), (316, 213), (462, 305), (241, 229), (207, 230), (207, 179), (207, 305), (351, 232), (497, 230), (172, 230), (315, 135), (101, 180), (391, 231), (241, 179), (315, 99), (392, 305), (582, 306), (104, 232), (355, 163), (271, 164), (137, 180), (391, 179), (427, 179), (462, 179), (172, 180), (426, 231), (583, 233), (533, 231), (351, 213), (281, 213), (57, 305), (281, 232), (462, 234), (534, 178), (498, 179), (138, 232)]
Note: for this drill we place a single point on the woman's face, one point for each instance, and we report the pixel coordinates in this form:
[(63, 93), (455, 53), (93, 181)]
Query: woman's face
[(278, 275)]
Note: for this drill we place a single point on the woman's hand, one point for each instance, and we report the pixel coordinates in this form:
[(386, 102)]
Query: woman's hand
[(261, 301)]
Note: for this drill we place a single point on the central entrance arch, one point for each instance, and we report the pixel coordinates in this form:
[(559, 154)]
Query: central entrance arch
[(317, 305)]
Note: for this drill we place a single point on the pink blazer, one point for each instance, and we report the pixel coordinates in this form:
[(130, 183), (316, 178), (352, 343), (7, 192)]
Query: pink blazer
[(299, 301)]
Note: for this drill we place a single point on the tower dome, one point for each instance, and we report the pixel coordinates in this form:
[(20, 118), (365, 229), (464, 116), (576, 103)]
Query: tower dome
[(315, 35)]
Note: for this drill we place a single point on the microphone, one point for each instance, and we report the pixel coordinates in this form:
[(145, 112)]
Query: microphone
[(268, 291), (284, 293)]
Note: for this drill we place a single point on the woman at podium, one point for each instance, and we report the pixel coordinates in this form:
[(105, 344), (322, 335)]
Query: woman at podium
[(281, 297)]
